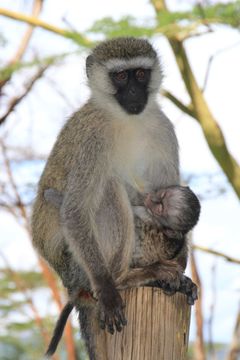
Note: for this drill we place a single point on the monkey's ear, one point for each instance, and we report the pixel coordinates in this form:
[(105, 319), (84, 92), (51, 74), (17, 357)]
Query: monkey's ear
[(89, 63)]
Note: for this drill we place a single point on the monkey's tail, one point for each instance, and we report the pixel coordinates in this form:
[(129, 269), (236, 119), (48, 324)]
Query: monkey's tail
[(58, 331)]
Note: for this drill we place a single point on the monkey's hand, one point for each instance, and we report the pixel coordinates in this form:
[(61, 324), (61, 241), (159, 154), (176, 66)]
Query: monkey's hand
[(188, 288), (110, 307), (175, 209), (185, 286)]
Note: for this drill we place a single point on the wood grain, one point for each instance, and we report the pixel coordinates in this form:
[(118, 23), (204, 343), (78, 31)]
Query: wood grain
[(157, 329)]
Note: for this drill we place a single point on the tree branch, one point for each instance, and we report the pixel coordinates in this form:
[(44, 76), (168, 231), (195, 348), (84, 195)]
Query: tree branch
[(211, 129), (212, 57), (199, 344), (16, 100), (31, 20), (37, 7), (159, 5), (217, 253), (188, 109), (234, 350)]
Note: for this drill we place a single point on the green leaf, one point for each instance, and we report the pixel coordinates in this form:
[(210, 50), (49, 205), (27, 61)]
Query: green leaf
[(124, 27)]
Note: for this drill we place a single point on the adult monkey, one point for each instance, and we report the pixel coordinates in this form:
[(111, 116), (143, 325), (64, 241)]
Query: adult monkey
[(115, 154)]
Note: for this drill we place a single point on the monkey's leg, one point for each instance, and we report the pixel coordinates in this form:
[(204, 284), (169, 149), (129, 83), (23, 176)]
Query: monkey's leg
[(88, 326), (116, 228), (167, 271)]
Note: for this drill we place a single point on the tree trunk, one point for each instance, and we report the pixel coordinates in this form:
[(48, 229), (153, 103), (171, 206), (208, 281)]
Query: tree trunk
[(157, 329)]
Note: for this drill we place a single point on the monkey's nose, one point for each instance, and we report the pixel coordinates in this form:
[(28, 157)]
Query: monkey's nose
[(135, 108), (132, 91)]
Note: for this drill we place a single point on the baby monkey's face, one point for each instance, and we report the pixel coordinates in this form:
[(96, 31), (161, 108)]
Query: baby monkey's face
[(175, 208), (131, 87)]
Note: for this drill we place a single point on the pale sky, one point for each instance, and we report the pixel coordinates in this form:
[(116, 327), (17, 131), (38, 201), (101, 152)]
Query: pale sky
[(219, 224)]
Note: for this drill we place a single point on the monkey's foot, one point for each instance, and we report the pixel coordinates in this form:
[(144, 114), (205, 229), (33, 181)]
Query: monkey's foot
[(186, 286), (110, 310)]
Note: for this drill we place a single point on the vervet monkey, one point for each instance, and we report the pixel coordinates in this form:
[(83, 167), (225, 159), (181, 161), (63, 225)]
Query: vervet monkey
[(113, 156)]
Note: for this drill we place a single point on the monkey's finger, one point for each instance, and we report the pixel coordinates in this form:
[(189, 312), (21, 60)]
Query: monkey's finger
[(123, 305), (102, 324), (102, 320), (110, 327), (189, 288), (169, 292), (122, 318), (118, 325), (193, 296), (190, 300), (108, 323), (195, 292)]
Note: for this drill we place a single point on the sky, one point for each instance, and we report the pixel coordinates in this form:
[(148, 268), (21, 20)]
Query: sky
[(218, 227)]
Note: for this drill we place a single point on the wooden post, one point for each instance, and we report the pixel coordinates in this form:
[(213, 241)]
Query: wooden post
[(157, 329)]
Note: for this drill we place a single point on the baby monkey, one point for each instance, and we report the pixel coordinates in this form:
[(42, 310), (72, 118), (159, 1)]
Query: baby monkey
[(166, 207)]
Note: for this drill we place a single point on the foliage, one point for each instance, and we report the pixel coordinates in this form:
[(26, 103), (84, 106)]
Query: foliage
[(228, 14), (22, 340), (7, 71), (124, 27)]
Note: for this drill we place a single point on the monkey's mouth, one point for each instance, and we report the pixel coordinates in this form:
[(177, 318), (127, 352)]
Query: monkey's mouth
[(134, 108)]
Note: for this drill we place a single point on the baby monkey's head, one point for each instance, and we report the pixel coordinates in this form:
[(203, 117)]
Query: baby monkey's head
[(175, 208)]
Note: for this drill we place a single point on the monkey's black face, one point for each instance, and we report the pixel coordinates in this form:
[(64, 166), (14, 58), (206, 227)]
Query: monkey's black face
[(131, 89)]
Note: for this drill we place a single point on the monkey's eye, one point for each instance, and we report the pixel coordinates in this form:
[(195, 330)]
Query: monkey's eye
[(140, 74), (120, 76)]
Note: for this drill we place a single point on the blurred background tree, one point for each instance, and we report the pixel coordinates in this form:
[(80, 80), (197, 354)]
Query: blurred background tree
[(41, 82)]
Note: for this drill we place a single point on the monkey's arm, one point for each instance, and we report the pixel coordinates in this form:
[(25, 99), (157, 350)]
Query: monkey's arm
[(85, 188), (54, 197)]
